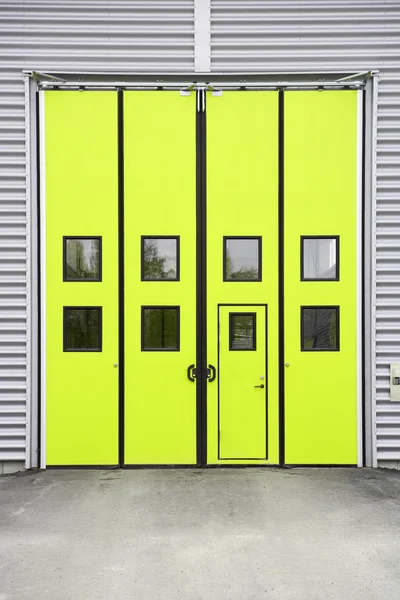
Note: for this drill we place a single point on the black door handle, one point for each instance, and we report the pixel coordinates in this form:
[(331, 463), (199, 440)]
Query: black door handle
[(211, 373), (191, 373), (262, 386)]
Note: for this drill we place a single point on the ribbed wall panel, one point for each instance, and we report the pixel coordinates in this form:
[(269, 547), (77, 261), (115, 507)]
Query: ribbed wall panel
[(64, 35), (319, 36)]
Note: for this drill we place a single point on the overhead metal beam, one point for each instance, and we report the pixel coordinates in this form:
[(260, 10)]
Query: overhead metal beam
[(181, 85)]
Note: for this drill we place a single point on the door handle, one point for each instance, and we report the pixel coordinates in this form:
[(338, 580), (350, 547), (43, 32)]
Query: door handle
[(191, 373), (262, 386), (211, 373)]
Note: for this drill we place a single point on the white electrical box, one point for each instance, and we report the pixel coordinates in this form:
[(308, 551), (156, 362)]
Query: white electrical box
[(395, 382)]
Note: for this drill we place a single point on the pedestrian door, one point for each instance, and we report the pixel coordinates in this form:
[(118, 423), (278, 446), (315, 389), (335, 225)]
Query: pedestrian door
[(200, 277), (242, 383)]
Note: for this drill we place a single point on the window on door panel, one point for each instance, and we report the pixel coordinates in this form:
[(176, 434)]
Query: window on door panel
[(82, 328), (82, 258), (160, 328), (319, 328), (319, 258), (242, 258), (160, 258), (242, 331)]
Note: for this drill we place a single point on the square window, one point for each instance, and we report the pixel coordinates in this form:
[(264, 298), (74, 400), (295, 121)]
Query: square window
[(160, 328), (82, 258), (160, 258), (242, 258), (82, 328), (320, 258), (242, 331), (319, 328)]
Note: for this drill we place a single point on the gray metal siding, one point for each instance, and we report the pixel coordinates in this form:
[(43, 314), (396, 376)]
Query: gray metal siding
[(63, 35), (315, 35)]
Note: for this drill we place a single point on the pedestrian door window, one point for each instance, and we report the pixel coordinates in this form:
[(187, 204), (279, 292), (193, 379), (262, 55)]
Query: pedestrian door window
[(242, 331)]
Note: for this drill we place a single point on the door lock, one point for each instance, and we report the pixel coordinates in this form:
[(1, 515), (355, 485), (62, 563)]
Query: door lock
[(115, 365)]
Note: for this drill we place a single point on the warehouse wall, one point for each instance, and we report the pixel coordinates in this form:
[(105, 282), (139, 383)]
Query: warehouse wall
[(158, 36)]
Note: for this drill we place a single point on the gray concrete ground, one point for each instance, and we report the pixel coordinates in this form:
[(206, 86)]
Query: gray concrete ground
[(188, 534)]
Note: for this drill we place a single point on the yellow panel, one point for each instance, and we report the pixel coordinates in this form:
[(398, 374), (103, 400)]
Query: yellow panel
[(242, 200), (242, 405), (320, 199), (81, 199), (160, 199)]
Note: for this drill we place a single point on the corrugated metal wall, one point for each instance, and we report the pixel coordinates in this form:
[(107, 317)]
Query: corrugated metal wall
[(340, 35), (62, 35)]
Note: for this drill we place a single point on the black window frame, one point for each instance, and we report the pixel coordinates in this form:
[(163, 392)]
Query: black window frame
[(319, 237), (65, 309), (178, 256), (315, 306), (67, 279), (242, 237), (178, 328), (243, 314)]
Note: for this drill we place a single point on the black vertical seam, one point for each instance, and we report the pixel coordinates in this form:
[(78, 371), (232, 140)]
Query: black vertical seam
[(363, 383), (204, 279), (121, 286), (199, 340), (39, 271), (281, 277), (201, 282)]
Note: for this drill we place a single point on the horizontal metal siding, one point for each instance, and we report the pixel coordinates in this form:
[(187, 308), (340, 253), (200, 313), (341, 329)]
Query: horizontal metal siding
[(315, 35), (13, 270), (96, 35), (74, 35)]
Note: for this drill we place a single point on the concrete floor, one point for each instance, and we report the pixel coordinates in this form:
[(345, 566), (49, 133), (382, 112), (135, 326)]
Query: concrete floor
[(240, 534)]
